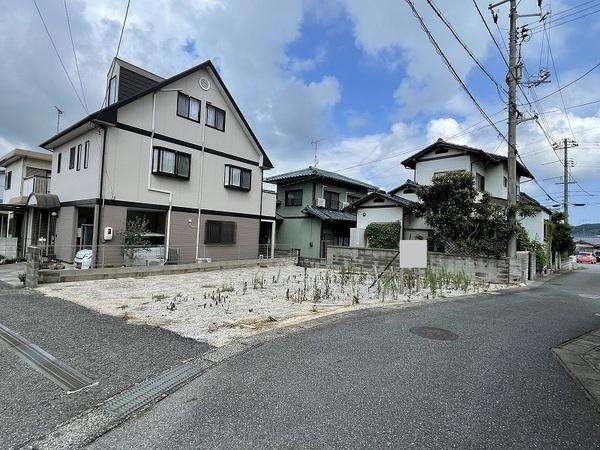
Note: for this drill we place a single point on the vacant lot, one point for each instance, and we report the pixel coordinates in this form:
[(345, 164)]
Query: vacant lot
[(217, 306)]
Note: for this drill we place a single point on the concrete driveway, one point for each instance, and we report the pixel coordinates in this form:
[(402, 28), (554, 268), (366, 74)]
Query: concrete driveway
[(101, 348), (371, 380)]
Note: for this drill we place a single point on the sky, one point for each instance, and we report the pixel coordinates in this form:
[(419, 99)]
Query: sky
[(360, 77)]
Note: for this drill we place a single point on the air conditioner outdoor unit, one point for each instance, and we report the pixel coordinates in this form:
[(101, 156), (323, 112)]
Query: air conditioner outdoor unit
[(321, 202), (344, 205)]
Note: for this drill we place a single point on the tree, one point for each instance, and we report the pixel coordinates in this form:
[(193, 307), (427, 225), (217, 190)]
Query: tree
[(383, 235), (458, 213), (562, 241), (133, 236)]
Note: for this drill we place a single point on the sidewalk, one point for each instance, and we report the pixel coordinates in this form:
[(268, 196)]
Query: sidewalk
[(581, 358)]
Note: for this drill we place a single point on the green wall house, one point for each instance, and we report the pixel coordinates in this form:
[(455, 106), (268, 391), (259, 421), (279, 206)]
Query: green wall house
[(310, 205)]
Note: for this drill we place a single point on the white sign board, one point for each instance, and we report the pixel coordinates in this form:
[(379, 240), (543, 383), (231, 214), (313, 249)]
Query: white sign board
[(413, 254)]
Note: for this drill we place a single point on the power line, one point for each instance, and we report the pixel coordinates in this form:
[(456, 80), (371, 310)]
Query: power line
[(58, 55), (586, 73), (75, 56), (464, 46), (118, 45), (451, 68)]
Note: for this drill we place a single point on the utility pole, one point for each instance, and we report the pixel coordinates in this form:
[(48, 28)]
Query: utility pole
[(566, 143), (512, 79), (512, 130)]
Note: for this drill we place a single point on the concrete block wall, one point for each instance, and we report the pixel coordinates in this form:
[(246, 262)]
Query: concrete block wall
[(360, 258), (492, 270), (8, 247)]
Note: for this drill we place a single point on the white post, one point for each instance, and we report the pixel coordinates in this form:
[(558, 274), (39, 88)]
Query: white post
[(273, 240)]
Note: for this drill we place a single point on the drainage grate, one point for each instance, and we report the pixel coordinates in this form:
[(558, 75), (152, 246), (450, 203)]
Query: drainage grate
[(438, 334), (43, 362), (149, 390)]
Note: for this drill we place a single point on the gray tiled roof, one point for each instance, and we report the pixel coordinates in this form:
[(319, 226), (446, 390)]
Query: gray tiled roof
[(400, 201), (330, 214), (407, 183), (314, 172)]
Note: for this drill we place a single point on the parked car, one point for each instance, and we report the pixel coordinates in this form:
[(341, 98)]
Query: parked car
[(586, 258)]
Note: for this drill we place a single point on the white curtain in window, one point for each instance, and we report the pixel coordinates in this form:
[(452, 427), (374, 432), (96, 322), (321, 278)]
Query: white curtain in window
[(194, 109), (183, 166), (235, 177), (183, 105), (167, 162), (219, 119), (210, 115)]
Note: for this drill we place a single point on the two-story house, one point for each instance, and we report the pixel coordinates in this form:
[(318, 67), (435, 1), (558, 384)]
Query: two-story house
[(310, 209), (489, 171), (177, 152), (23, 212)]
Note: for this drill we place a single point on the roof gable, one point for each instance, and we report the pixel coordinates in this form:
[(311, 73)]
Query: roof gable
[(314, 173), (108, 114)]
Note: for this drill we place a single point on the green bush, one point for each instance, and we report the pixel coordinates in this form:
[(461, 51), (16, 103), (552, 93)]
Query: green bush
[(384, 235)]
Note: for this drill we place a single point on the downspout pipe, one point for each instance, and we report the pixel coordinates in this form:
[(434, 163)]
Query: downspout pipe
[(201, 184), (150, 158)]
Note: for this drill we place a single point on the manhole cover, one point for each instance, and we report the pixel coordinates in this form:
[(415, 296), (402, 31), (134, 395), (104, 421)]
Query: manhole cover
[(438, 334)]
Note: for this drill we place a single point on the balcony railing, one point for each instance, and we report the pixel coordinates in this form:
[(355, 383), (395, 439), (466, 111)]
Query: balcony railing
[(36, 185), (330, 204)]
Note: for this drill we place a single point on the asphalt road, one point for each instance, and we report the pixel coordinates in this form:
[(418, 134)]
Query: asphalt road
[(107, 349), (366, 381)]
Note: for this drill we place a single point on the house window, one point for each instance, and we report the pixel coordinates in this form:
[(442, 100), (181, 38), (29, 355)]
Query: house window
[(171, 163), (505, 181), (218, 232), (237, 177), (72, 158), (480, 182), (188, 107), (58, 162), (86, 155), (352, 198), (8, 180), (293, 198), (112, 90), (79, 157), (546, 227), (332, 200), (215, 117)]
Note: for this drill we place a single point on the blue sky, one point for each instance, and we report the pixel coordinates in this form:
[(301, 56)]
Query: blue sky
[(362, 77)]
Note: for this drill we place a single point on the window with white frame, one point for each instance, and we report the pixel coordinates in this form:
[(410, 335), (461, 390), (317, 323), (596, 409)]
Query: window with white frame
[(237, 177), (72, 158), (188, 107), (78, 157), (215, 117), (171, 163)]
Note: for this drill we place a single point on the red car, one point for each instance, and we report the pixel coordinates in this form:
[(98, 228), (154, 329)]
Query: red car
[(586, 258)]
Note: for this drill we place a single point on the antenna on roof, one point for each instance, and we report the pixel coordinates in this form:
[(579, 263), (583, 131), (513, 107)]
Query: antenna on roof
[(315, 144), (58, 114)]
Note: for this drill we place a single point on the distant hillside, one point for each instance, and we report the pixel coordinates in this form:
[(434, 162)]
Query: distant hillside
[(586, 229)]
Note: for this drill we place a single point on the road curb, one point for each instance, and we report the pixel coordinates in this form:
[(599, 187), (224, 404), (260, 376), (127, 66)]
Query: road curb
[(580, 357)]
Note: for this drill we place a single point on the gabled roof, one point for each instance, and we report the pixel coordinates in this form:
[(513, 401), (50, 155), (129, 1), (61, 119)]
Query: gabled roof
[(313, 173), (330, 214), (525, 198), (407, 184), (109, 115), (19, 153), (411, 161), (393, 198)]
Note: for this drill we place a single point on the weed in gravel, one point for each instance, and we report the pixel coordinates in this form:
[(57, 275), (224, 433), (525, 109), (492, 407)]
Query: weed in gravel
[(159, 297)]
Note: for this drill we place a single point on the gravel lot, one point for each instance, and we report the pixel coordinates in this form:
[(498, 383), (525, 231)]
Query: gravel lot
[(218, 306)]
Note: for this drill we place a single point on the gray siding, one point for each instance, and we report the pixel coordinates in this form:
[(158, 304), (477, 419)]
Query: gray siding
[(246, 246), (131, 83), (66, 222), (183, 236)]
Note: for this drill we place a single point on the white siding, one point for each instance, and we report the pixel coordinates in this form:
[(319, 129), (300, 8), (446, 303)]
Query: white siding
[(83, 184), (535, 225), (425, 169)]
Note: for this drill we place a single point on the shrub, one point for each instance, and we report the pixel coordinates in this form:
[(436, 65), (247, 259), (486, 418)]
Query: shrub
[(383, 235)]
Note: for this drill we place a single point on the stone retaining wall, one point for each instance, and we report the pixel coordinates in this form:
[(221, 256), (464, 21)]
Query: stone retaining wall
[(8, 247)]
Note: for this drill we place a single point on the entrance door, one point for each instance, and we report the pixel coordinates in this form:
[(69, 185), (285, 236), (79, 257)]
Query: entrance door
[(87, 233)]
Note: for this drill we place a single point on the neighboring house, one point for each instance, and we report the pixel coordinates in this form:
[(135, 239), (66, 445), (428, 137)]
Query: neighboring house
[(536, 225), (489, 171), (588, 244), (377, 207), (310, 209), (3, 214), (23, 214), (175, 151), (1, 184)]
